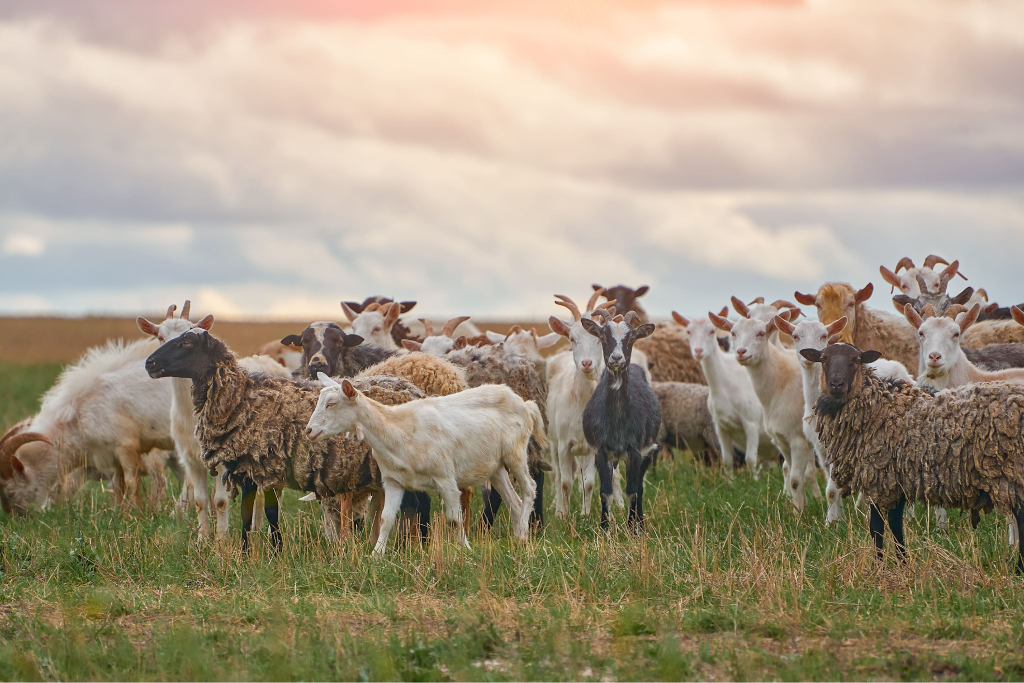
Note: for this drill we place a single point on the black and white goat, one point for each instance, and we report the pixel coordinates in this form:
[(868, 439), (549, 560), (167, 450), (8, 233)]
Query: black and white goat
[(622, 417)]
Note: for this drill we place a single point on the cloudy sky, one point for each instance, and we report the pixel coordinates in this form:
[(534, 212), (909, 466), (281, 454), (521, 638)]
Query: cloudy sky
[(269, 158)]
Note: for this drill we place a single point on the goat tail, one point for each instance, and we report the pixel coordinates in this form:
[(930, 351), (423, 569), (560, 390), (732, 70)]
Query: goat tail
[(539, 435)]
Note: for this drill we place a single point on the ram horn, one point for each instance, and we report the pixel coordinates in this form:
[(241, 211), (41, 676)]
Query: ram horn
[(449, 327), (571, 305)]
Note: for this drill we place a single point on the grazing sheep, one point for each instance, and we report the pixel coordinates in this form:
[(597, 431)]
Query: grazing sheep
[(868, 328), (686, 420), (443, 443), (102, 417), (327, 348), (253, 427), (897, 442), (622, 417)]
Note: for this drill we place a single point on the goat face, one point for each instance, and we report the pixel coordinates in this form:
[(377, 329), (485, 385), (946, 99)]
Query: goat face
[(617, 339), (191, 355), (703, 338), (841, 368), (810, 334), (335, 410), (939, 338), (171, 327), (836, 300), (375, 325), (750, 340), (323, 344)]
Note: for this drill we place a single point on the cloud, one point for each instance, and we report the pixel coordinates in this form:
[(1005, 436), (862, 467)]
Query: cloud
[(20, 244)]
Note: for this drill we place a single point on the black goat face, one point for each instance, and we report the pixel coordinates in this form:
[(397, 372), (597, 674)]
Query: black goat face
[(841, 364), (323, 345), (189, 356), (617, 339)]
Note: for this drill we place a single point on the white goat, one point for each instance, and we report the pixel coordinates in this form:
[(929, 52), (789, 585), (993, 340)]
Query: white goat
[(812, 334), (572, 377), (913, 278), (374, 323), (943, 364), (524, 342), (738, 416), (441, 443), (438, 344), (778, 384)]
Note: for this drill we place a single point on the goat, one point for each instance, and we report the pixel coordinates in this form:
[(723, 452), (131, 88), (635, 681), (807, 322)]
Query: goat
[(625, 298), (327, 348)]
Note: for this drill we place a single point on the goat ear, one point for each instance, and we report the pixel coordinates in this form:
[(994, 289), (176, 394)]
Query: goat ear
[(783, 325), (912, 316), (964, 296), (836, 326), (901, 300), (865, 294), (833, 340), (348, 389), (592, 327), (1017, 314), (325, 379), (597, 288), (411, 344), (206, 323), (813, 355), (407, 306), (494, 337), (805, 299), (392, 315), (350, 312), (870, 356), (292, 340), (680, 319), (461, 342), (17, 466), (645, 330), (353, 340), (970, 317), (147, 327), (558, 326), (771, 326), (890, 277), (740, 307), (641, 290), (721, 322), (549, 339), (990, 308), (724, 312)]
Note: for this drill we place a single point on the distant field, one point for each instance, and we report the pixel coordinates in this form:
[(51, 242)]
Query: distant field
[(728, 582), (62, 340)]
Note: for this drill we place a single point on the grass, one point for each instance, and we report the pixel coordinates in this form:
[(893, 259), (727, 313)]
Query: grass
[(728, 582)]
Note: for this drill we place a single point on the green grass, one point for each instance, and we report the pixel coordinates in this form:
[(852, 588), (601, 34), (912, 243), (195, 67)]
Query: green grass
[(727, 583)]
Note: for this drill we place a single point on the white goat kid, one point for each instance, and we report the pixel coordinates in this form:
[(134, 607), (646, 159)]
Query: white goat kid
[(524, 342), (441, 443), (374, 323), (438, 344), (738, 416), (572, 377), (778, 384)]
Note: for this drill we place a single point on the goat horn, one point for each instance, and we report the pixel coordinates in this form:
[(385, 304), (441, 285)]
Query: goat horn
[(371, 307), (428, 327), (449, 327), (904, 262), (171, 309), (607, 305), (932, 259), (928, 311), (954, 310), (515, 329), (631, 317), (571, 305), (982, 293), (186, 309), (921, 284), (602, 313), (782, 303), (598, 293), (758, 300), (11, 444)]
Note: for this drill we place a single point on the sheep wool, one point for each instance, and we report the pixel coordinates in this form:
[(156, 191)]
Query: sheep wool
[(668, 356), (959, 448), (431, 375), (685, 418)]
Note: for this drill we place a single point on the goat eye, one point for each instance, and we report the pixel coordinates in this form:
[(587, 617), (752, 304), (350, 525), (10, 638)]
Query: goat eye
[(955, 335), (760, 334)]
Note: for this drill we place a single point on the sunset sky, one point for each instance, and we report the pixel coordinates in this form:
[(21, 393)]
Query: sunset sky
[(268, 159)]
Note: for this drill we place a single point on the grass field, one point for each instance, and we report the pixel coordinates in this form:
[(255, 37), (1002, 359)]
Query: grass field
[(728, 582)]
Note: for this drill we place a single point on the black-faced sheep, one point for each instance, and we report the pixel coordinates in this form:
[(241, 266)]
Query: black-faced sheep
[(328, 349)]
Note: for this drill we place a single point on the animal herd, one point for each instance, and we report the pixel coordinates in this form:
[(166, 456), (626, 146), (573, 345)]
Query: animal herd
[(370, 415)]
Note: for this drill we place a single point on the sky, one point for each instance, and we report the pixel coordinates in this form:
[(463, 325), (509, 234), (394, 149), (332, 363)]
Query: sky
[(269, 158)]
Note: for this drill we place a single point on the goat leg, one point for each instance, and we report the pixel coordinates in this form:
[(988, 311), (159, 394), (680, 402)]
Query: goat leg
[(492, 503), (604, 474)]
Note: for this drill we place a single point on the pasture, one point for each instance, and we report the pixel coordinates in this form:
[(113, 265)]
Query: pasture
[(727, 582)]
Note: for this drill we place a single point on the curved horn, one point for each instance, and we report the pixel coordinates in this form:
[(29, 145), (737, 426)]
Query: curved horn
[(593, 299), (606, 305), (571, 305), (758, 300), (904, 262), (782, 303), (170, 310), (449, 327), (921, 284), (932, 259), (631, 317), (12, 444), (982, 293), (954, 310), (428, 328), (604, 314), (186, 309), (515, 329)]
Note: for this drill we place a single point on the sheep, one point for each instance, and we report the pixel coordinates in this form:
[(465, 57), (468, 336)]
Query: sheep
[(990, 332), (669, 357), (626, 298), (571, 378), (102, 416), (329, 349), (444, 443), (778, 385), (252, 426), (183, 420), (433, 376), (897, 442), (686, 420), (735, 408), (812, 334), (622, 417), (398, 330), (917, 282), (375, 323), (867, 328)]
